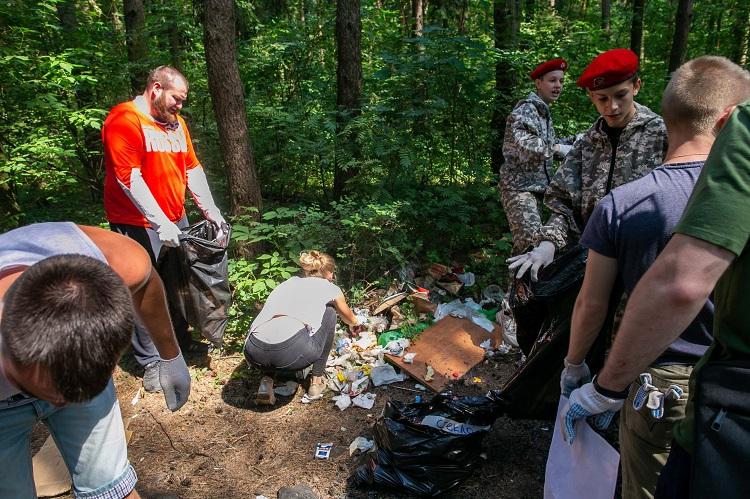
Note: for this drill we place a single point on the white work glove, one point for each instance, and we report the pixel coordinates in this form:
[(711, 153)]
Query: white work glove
[(539, 257), (174, 378), (198, 185), (573, 376), (563, 149), (586, 402), (169, 234), (143, 199)]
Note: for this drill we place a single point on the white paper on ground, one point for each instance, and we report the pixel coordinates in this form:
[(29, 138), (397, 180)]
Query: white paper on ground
[(384, 375), (587, 468)]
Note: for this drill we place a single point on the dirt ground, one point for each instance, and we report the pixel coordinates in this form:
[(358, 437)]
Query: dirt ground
[(221, 445)]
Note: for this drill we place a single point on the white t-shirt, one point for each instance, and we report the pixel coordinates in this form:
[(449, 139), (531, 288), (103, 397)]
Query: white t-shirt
[(300, 301)]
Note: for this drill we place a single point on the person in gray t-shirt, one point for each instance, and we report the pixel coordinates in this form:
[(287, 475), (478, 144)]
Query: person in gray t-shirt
[(295, 328)]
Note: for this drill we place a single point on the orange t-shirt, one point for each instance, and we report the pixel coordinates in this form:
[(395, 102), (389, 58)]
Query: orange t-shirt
[(134, 140)]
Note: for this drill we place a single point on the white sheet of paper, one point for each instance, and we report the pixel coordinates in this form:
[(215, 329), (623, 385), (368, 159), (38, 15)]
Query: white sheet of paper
[(587, 468)]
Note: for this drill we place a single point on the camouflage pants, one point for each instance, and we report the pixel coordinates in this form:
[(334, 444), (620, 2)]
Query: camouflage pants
[(522, 209)]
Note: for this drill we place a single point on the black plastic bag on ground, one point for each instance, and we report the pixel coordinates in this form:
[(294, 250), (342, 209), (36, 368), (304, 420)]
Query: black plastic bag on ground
[(197, 281), (427, 448), (543, 312)]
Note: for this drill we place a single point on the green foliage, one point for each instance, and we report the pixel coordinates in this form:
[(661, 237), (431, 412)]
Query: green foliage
[(252, 282), (424, 191)]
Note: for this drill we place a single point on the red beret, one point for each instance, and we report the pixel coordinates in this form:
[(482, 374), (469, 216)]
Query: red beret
[(609, 68), (559, 64)]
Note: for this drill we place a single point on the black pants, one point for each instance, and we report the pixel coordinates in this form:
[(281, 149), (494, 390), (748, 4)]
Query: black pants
[(297, 352), (676, 475), (143, 347)]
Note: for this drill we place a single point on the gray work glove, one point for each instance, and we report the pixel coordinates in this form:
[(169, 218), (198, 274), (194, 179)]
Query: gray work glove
[(573, 376), (174, 378)]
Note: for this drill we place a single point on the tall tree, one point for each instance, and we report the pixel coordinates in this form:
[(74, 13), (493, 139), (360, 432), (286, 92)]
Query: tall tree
[(636, 27), (681, 29), (741, 32), (507, 25), (228, 99), (606, 15), (135, 39), (348, 90), (111, 12), (417, 15), (530, 10)]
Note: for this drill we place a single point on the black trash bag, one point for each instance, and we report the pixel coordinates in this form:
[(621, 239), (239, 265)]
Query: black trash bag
[(543, 312), (427, 448), (196, 278)]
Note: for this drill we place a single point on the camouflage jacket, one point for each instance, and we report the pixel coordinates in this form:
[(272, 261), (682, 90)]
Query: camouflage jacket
[(581, 181), (527, 146)]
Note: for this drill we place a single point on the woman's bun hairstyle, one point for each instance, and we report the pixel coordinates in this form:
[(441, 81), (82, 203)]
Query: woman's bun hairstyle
[(315, 263)]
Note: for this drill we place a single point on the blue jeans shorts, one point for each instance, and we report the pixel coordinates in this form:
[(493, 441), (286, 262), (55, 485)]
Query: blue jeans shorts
[(91, 439)]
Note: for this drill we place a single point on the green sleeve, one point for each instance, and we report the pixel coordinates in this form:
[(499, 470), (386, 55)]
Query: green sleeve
[(719, 208)]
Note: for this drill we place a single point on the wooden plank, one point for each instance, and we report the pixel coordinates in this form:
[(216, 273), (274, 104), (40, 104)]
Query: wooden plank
[(451, 347)]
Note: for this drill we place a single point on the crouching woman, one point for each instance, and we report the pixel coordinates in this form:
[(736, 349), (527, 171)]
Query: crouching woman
[(295, 328)]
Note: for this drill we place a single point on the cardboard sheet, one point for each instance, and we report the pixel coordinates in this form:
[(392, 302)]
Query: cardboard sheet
[(587, 468), (451, 347), (50, 474)]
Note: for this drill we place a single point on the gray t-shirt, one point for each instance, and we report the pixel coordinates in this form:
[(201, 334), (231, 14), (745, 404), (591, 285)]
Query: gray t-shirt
[(298, 302), (633, 223), (25, 246)]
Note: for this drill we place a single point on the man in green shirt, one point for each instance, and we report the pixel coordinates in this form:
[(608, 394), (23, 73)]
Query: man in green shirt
[(708, 249)]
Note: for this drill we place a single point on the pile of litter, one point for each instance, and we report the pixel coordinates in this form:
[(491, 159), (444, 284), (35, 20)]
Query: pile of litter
[(355, 364)]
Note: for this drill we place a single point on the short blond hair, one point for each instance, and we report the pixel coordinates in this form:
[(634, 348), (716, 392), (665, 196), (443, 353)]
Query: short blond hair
[(699, 92), (315, 263)]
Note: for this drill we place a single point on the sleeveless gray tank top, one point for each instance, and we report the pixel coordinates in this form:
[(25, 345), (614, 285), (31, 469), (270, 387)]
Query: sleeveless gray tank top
[(25, 246)]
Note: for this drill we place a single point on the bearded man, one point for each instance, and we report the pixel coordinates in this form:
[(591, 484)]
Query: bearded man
[(149, 161)]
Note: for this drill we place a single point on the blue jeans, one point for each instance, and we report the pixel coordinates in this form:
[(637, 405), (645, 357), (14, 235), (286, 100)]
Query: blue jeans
[(91, 439)]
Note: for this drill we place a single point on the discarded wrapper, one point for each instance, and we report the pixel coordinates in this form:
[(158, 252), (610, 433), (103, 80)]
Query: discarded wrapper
[(362, 444), (323, 451), (409, 357), (365, 400), (343, 401)]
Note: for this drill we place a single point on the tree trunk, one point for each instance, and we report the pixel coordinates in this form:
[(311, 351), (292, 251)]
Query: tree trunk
[(529, 10), (66, 13), (175, 44), (507, 24), (10, 210), (110, 10), (405, 7), (636, 28), (417, 15), (348, 90), (681, 29), (740, 32), (463, 17), (135, 38), (606, 15), (229, 105)]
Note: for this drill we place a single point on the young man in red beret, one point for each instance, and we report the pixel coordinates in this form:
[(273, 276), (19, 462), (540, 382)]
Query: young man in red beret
[(628, 229), (625, 143), (528, 148)]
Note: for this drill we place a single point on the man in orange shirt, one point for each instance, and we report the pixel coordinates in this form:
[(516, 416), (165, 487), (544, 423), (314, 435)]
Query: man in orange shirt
[(149, 161)]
